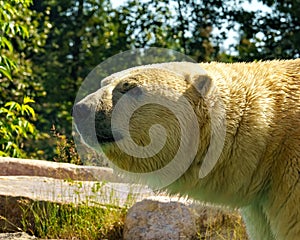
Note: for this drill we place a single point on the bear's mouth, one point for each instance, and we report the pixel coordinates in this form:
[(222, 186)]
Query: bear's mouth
[(94, 125), (108, 137), (101, 136)]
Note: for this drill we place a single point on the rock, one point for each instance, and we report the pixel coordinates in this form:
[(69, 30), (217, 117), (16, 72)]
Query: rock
[(19, 191), (62, 191), (163, 217), (23, 181), (159, 219), (29, 167), (16, 236)]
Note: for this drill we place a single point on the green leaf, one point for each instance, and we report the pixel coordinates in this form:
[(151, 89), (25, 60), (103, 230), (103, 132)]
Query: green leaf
[(9, 145), (3, 110), (2, 141), (7, 63), (13, 106), (6, 43), (30, 128), (29, 110), (11, 27), (18, 129), (5, 72), (3, 154), (27, 100), (24, 31), (10, 114)]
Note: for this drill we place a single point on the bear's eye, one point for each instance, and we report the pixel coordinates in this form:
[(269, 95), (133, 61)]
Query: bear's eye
[(130, 88), (126, 86)]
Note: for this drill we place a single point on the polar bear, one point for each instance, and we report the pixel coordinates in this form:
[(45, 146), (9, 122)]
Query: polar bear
[(258, 167)]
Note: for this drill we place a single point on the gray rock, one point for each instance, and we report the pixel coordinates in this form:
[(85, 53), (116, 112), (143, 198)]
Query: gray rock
[(16, 236), (159, 219), (30, 167), (62, 191), (19, 191)]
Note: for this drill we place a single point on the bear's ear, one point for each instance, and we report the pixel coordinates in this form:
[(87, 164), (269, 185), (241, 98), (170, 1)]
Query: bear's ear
[(193, 74), (202, 83)]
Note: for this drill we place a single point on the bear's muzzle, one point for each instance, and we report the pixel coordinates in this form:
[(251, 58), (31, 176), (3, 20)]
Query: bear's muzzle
[(93, 124)]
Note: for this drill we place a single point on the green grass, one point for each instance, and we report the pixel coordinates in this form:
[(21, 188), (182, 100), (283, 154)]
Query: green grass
[(222, 226), (69, 221), (88, 219), (92, 220), (51, 220)]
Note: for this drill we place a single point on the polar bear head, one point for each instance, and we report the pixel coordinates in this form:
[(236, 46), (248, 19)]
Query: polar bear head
[(153, 119)]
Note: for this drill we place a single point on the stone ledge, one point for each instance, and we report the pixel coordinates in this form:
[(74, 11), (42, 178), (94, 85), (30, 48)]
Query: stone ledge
[(70, 191), (20, 192), (29, 167), (16, 236)]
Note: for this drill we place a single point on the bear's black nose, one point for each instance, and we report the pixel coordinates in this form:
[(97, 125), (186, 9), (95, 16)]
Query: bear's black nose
[(80, 111)]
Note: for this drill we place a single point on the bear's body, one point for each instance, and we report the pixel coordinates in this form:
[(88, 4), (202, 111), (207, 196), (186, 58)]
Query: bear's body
[(258, 169)]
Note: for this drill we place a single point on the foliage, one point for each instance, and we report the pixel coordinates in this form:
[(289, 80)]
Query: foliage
[(86, 32), (85, 219), (19, 38), (185, 26), (272, 34), (47, 48), (9, 28), (91, 220), (68, 221), (65, 149), (15, 127), (83, 34)]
